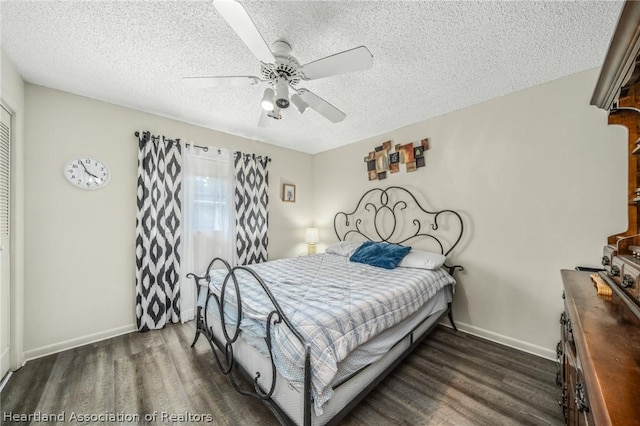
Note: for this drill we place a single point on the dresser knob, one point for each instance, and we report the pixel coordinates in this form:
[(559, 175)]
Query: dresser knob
[(605, 261), (615, 270), (627, 281)]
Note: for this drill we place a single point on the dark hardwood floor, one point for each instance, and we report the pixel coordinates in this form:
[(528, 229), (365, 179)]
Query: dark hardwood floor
[(451, 379)]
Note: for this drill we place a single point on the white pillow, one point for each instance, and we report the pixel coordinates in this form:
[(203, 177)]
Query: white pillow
[(422, 259), (343, 248)]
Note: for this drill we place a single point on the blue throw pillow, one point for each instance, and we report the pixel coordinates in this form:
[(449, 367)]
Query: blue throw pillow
[(383, 255)]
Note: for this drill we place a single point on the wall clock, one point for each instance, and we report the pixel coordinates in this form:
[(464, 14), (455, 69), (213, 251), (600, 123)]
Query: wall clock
[(87, 173)]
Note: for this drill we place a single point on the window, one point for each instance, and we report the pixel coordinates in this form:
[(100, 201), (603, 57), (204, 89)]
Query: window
[(210, 204)]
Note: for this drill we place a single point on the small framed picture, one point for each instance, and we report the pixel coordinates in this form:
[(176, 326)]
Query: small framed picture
[(289, 192)]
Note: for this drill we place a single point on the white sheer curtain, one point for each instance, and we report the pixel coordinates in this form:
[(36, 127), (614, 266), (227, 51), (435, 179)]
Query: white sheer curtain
[(208, 216)]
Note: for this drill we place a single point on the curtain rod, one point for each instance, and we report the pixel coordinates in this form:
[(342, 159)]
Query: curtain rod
[(204, 148)]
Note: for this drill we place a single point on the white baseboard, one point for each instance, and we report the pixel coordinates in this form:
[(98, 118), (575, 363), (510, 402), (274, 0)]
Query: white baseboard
[(78, 341), (4, 361), (503, 340), (4, 380)]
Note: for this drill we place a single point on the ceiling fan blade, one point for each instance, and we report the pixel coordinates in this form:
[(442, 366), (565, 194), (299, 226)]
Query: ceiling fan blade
[(321, 106), (220, 81), (357, 59), (237, 17)]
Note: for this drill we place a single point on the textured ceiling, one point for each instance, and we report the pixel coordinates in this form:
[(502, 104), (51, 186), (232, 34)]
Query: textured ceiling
[(429, 57)]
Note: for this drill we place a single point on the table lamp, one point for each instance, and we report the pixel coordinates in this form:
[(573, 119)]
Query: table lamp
[(311, 238)]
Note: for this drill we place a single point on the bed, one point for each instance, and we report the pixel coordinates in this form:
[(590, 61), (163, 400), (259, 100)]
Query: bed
[(314, 334)]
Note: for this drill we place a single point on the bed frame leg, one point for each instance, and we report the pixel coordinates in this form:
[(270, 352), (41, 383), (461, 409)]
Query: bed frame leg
[(453, 324), (195, 339), (197, 336)]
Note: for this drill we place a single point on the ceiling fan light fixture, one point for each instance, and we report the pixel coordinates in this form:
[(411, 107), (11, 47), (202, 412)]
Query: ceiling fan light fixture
[(275, 114), (300, 105), (267, 99), (282, 93)]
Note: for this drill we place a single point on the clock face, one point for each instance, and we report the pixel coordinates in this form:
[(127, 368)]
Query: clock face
[(87, 173)]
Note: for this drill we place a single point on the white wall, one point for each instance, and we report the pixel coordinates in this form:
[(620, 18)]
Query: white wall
[(540, 179), (80, 245), (12, 96)]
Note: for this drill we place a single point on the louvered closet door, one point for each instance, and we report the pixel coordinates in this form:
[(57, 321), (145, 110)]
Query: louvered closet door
[(5, 295)]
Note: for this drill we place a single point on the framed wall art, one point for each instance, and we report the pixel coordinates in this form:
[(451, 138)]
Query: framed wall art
[(382, 161), (289, 193)]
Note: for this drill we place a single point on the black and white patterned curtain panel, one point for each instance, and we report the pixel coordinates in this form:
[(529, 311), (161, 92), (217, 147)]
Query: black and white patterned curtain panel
[(251, 203), (158, 232)]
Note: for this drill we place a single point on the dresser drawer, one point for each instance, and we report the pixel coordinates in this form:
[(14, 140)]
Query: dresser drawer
[(574, 400)]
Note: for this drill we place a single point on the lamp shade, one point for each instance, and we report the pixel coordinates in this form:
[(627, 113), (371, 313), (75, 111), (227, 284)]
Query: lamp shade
[(297, 101), (311, 235), (267, 100)]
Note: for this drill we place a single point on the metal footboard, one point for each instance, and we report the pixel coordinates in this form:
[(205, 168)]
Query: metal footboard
[(222, 347)]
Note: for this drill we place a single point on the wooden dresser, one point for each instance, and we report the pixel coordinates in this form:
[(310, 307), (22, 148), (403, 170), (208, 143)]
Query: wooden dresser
[(599, 356)]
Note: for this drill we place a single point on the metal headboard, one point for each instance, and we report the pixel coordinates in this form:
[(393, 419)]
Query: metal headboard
[(394, 215)]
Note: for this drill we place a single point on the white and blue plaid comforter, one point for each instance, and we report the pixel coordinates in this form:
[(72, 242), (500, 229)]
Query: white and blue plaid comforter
[(335, 304)]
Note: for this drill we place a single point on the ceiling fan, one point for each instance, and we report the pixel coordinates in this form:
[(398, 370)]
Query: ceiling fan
[(282, 72)]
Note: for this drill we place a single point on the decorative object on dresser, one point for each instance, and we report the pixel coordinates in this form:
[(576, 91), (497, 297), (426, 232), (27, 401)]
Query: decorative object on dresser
[(382, 160), (277, 322), (87, 173)]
